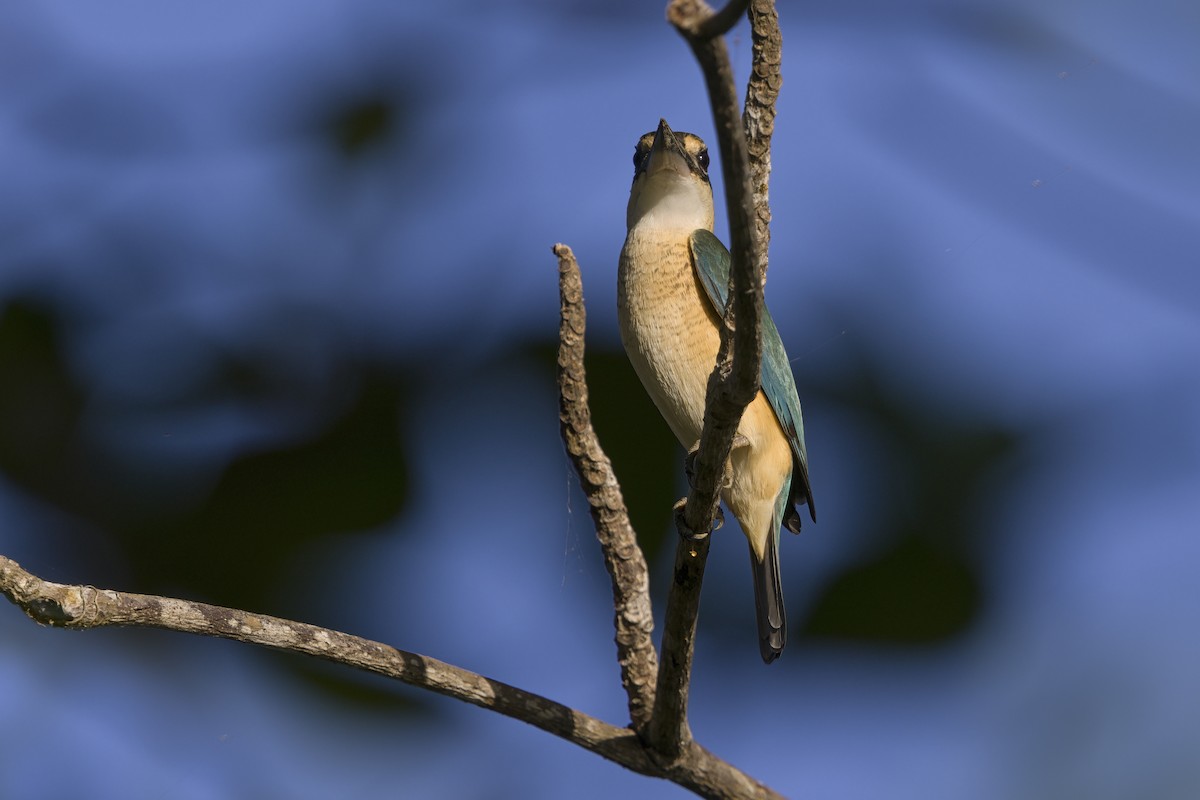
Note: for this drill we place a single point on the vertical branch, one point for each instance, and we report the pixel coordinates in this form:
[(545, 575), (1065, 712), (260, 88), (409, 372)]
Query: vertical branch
[(669, 734), (734, 381), (633, 617), (758, 118)]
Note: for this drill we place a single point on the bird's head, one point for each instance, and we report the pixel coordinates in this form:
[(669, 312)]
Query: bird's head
[(670, 182)]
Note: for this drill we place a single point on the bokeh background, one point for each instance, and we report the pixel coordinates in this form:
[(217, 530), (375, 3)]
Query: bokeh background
[(277, 323)]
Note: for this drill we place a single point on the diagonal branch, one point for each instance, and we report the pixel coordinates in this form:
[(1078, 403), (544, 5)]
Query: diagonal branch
[(633, 617), (64, 606), (67, 606)]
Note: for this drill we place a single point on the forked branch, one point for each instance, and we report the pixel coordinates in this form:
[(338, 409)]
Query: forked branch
[(658, 742), (66, 606)]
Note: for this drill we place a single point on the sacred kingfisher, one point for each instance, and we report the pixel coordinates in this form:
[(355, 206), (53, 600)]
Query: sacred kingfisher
[(672, 284)]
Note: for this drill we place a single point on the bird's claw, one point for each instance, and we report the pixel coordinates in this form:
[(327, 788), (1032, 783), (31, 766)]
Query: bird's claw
[(685, 531)]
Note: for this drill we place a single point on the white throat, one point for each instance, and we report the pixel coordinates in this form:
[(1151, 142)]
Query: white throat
[(667, 200)]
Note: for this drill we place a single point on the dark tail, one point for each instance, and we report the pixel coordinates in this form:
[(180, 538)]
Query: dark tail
[(768, 601)]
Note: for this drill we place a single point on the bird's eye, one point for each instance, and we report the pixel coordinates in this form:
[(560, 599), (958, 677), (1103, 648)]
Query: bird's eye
[(703, 159)]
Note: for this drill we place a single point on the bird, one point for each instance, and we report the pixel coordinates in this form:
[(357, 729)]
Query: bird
[(672, 284)]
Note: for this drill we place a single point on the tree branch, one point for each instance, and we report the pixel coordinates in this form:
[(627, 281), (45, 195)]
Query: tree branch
[(689, 764), (64, 606), (758, 118), (669, 734), (633, 614), (734, 381), (701, 26), (729, 392)]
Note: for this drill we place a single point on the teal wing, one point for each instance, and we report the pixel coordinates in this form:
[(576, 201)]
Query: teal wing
[(711, 260)]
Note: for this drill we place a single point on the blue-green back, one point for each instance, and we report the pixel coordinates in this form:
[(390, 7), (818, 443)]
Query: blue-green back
[(711, 260)]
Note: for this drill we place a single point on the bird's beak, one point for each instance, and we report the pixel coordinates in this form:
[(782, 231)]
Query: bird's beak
[(667, 153)]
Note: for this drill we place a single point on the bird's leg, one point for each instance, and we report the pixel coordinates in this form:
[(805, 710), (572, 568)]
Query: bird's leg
[(689, 468)]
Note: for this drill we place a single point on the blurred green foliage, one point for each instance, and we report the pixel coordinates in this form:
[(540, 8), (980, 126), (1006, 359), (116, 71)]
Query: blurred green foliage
[(347, 474), (920, 580), (357, 127)]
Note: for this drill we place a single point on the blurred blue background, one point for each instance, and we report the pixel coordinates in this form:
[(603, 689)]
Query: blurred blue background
[(277, 319)]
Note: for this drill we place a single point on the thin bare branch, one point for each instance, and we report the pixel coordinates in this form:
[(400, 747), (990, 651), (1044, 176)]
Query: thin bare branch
[(709, 776), (762, 92), (729, 392), (669, 734), (633, 617), (732, 385), (687, 764), (66, 606), (703, 26), (79, 607)]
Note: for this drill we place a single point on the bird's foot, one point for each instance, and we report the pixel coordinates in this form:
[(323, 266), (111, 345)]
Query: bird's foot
[(685, 531)]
